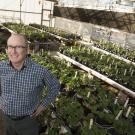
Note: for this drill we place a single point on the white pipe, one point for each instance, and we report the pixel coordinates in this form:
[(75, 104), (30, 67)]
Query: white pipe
[(98, 75), (90, 45)]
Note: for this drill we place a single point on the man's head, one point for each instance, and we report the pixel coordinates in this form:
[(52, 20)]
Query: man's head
[(17, 49)]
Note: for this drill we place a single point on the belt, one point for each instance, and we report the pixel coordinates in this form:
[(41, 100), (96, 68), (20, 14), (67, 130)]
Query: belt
[(15, 118)]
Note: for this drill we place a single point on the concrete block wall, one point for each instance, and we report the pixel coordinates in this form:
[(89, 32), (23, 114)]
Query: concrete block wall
[(90, 31)]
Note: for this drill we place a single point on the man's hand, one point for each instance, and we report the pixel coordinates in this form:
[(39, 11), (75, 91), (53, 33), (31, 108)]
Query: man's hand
[(38, 111), (1, 109)]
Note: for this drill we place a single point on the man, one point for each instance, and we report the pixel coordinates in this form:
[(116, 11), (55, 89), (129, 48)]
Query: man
[(22, 81)]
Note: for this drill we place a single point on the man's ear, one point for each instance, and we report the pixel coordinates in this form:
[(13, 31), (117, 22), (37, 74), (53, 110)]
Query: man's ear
[(6, 51), (27, 50)]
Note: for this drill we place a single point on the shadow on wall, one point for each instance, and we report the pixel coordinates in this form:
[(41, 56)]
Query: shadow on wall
[(121, 21)]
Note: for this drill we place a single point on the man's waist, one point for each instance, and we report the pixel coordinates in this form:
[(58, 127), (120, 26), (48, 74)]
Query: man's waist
[(13, 117)]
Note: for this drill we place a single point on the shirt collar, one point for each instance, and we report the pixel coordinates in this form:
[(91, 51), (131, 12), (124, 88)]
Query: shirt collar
[(27, 61)]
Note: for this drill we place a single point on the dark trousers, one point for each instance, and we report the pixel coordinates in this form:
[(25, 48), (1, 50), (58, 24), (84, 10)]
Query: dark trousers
[(27, 126), (1, 124)]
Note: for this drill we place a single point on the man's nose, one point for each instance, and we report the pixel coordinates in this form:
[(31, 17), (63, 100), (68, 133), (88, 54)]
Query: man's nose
[(14, 50)]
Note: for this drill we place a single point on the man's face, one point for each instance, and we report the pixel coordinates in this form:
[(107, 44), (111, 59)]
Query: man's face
[(16, 49)]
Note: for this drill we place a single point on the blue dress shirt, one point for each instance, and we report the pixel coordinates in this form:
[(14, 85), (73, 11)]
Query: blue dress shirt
[(20, 91)]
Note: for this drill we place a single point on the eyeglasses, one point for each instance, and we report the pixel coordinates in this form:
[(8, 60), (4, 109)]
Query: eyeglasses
[(17, 48)]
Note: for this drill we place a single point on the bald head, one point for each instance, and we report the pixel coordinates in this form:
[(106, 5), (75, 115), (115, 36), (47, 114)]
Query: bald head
[(18, 38)]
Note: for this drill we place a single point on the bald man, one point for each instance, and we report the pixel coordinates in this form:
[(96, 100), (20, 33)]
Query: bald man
[(22, 81)]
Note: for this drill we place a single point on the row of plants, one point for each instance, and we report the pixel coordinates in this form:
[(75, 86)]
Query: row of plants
[(36, 37), (31, 33), (84, 106), (58, 32), (35, 34), (105, 45), (116, 49), (111, 67)]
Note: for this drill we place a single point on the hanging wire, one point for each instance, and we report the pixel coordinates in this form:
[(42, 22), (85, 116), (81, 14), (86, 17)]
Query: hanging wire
[(22, 1), (25, 13)]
